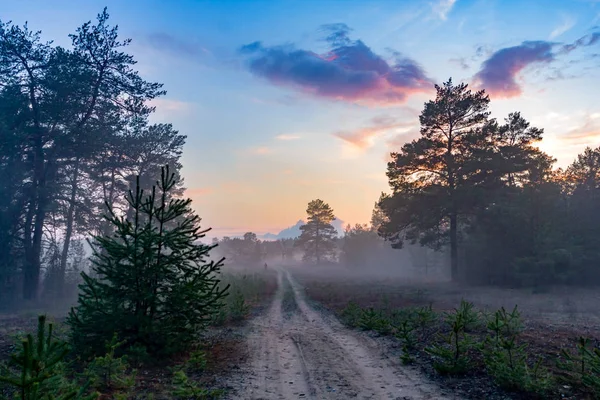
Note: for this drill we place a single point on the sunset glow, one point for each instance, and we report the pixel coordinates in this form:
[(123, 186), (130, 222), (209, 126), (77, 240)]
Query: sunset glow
[(285, 102)]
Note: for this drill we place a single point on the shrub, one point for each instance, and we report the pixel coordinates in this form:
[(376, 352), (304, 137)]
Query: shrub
[(424, 317), (238, 308), (37, 369), (506, 361), (374, 320), (452, 355), (185, 388), (351, 314), (110, 373), (151, 282), (583, 367)]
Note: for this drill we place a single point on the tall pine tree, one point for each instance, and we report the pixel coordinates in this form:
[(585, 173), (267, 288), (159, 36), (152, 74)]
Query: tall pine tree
[(318, 235), (434, 178), (151, 283)]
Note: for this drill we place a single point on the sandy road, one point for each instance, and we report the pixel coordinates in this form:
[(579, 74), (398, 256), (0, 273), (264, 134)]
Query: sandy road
[(304, 354)]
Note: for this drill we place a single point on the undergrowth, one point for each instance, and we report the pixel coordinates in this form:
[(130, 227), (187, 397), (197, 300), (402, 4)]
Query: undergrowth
[(466, 340)]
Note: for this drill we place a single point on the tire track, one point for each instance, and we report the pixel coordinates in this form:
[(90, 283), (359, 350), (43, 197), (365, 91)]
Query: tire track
[(305, 354)]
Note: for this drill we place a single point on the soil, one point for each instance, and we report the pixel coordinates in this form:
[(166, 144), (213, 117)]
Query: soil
[(302, 353)]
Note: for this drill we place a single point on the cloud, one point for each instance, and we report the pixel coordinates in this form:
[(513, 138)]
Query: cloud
[(584, 135), (349, 71), (461, 62), (164, 42), (442, 8), (567, 24), (261, 150), (287, 136), (499, 72), (364, 138)]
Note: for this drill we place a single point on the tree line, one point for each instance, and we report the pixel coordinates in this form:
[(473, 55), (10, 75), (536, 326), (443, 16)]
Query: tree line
[(75, 133), (482, 192)]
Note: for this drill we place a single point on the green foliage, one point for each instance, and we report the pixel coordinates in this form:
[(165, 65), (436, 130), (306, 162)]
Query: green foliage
[(405, 331), (374, 320), (506, 360), (238, 308), (138, 354), (185, 388), (245, 290), (110, 373), (452, 355), (40, 368), (582, 366), (197, 361), (351, 314), (318, 235), (425, 317), (151, 284)]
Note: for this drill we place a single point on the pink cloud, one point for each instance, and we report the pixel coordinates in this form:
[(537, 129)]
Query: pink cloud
[(350, 71), (364, 137)]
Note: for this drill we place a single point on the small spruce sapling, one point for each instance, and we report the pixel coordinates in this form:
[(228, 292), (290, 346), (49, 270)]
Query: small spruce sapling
[(40, 368), (110, 373), (506, 360), (582, 366), (452, 356), (151, 282), (351, 314)]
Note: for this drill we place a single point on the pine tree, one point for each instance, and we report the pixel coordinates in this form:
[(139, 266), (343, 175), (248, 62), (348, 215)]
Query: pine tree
[(151, 283), (318, 235)]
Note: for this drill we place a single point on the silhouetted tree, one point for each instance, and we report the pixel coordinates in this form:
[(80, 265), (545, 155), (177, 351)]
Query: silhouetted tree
[(318, 235), (152, 284), (433, 178)]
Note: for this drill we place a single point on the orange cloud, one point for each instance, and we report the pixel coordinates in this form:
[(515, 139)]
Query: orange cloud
[(364, 138), (587, 134)]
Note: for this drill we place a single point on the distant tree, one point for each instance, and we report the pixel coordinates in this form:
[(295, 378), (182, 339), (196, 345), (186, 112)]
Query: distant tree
[(151, 284), (318, 237), (433, 178), (360, 243), (378, 216)]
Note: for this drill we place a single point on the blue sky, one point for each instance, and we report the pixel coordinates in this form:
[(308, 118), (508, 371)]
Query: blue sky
[(287, 101)]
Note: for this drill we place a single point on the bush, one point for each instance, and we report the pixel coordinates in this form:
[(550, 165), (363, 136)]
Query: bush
[(151, 282), (109, 373), (185, 388), (37, 369), (351, 314), (583, 367), (374, 320), (452, 355), (506, 361)]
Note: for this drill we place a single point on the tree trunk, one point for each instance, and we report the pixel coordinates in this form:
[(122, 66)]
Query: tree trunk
[(454, 247), (31, 281), (317, 238), (68, 233)]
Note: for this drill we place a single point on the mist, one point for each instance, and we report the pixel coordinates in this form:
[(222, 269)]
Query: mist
[(476, 275)]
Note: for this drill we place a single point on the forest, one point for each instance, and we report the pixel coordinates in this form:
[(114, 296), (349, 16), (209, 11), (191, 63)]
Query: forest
[(94, 217)]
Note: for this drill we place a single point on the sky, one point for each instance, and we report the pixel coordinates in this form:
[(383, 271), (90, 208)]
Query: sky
[(287, 101)]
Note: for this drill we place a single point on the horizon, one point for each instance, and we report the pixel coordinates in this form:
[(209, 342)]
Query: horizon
[(264, 140)]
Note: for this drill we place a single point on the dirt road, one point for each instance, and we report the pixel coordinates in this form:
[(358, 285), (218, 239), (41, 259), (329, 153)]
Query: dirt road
[(298, 352)]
